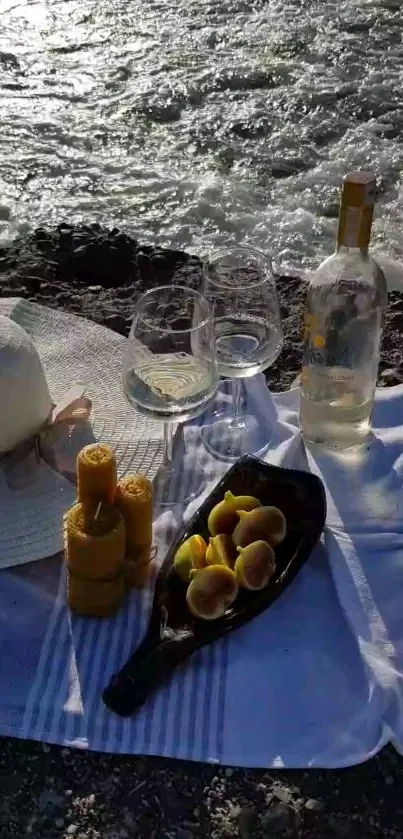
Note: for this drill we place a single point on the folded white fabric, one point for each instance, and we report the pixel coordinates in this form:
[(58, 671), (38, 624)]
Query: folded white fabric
[(364, 544), (293, 688)]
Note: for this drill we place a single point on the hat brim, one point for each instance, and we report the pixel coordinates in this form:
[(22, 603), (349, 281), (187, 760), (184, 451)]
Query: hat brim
[(72, 349)]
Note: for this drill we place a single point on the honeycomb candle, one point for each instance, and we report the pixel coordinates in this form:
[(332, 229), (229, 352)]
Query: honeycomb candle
[(95, 545), (95, 598), (134, 499), (96, 473), (94, 540)]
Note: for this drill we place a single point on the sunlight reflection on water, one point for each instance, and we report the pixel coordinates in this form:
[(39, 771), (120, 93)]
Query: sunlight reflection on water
[(195, 123)]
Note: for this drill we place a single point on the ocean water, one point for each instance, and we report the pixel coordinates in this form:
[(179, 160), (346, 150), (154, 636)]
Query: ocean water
[(194, 123)]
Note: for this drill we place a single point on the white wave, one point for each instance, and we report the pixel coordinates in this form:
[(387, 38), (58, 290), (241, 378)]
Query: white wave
[(197, 122)]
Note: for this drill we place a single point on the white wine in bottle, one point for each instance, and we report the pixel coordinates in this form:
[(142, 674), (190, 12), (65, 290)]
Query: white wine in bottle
[(342, 328)]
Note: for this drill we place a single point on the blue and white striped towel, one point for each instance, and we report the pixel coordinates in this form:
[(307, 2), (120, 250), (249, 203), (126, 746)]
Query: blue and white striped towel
[(290, 689)]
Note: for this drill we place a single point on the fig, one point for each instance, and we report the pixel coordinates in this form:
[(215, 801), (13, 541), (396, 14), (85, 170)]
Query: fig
[(255, 565), (191, 554), (224, 516), (221, 550), (211, 591), (199, 549), (267, 523)]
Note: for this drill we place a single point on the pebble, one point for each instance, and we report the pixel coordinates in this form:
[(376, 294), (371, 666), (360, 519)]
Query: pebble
[(339, 828), (282, 794), (59, 823), (130, 822), (183, 833), (72, 830), (277, 819), (246, 819), (49, 800), (389, 375), (315, 805)]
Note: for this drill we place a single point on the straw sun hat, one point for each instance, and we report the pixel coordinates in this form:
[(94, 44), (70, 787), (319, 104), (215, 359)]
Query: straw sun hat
[(60, 388)]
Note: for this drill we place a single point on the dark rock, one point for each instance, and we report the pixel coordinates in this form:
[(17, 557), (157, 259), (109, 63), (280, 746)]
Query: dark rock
[(65, 228), (278, 819), (251, 128), (49, 800), (184, 833), (389, 376), (287, 167), (282, 793), (314, 805), (41, 235), (339, 828), (246, 822), (169, 112), (33, 284)]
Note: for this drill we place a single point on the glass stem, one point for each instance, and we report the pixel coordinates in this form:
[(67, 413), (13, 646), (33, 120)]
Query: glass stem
[(168, 444), (237, 396)]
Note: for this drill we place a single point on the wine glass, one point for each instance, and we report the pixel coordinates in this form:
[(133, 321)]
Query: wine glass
[(240, 283), (170, 371)]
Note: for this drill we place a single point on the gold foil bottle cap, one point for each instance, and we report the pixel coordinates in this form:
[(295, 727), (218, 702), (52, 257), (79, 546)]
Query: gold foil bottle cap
[(358, 189)]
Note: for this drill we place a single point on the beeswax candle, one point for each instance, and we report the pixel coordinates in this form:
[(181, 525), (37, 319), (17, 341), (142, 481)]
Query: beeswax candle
[(96, 473)]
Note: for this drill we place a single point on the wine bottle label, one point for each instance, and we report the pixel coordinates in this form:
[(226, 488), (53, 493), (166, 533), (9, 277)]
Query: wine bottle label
[(319, 376), (356, 210)]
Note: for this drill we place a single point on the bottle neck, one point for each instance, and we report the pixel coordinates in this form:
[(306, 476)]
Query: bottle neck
[(355, 225), (351, 251)]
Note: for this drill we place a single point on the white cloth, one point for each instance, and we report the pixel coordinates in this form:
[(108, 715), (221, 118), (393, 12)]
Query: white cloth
[(364, 545), (313, 681)]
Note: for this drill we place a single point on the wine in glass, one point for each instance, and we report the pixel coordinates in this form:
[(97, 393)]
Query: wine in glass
[(170, 371), (240, 284)]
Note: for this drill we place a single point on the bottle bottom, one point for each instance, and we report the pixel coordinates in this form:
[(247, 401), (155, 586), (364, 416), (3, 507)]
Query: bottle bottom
[(335, 425)]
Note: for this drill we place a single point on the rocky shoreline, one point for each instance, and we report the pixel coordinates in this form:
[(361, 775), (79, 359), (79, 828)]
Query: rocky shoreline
[(98, 273), (56, 793)]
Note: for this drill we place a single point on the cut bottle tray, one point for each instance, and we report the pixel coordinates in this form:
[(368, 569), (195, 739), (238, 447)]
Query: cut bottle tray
[(174, 634)]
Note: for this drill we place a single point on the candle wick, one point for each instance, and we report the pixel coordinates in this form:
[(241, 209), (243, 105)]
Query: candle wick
[(98, 510)]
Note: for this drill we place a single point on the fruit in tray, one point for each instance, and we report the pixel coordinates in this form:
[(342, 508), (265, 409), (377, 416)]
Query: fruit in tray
[(189, 556), (221, 550), (267, 523), (240, 551), (255, 565), (211, 591), (224, 516)]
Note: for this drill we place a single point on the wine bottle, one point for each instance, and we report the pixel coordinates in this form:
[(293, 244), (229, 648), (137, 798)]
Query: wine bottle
[(342, 327)]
